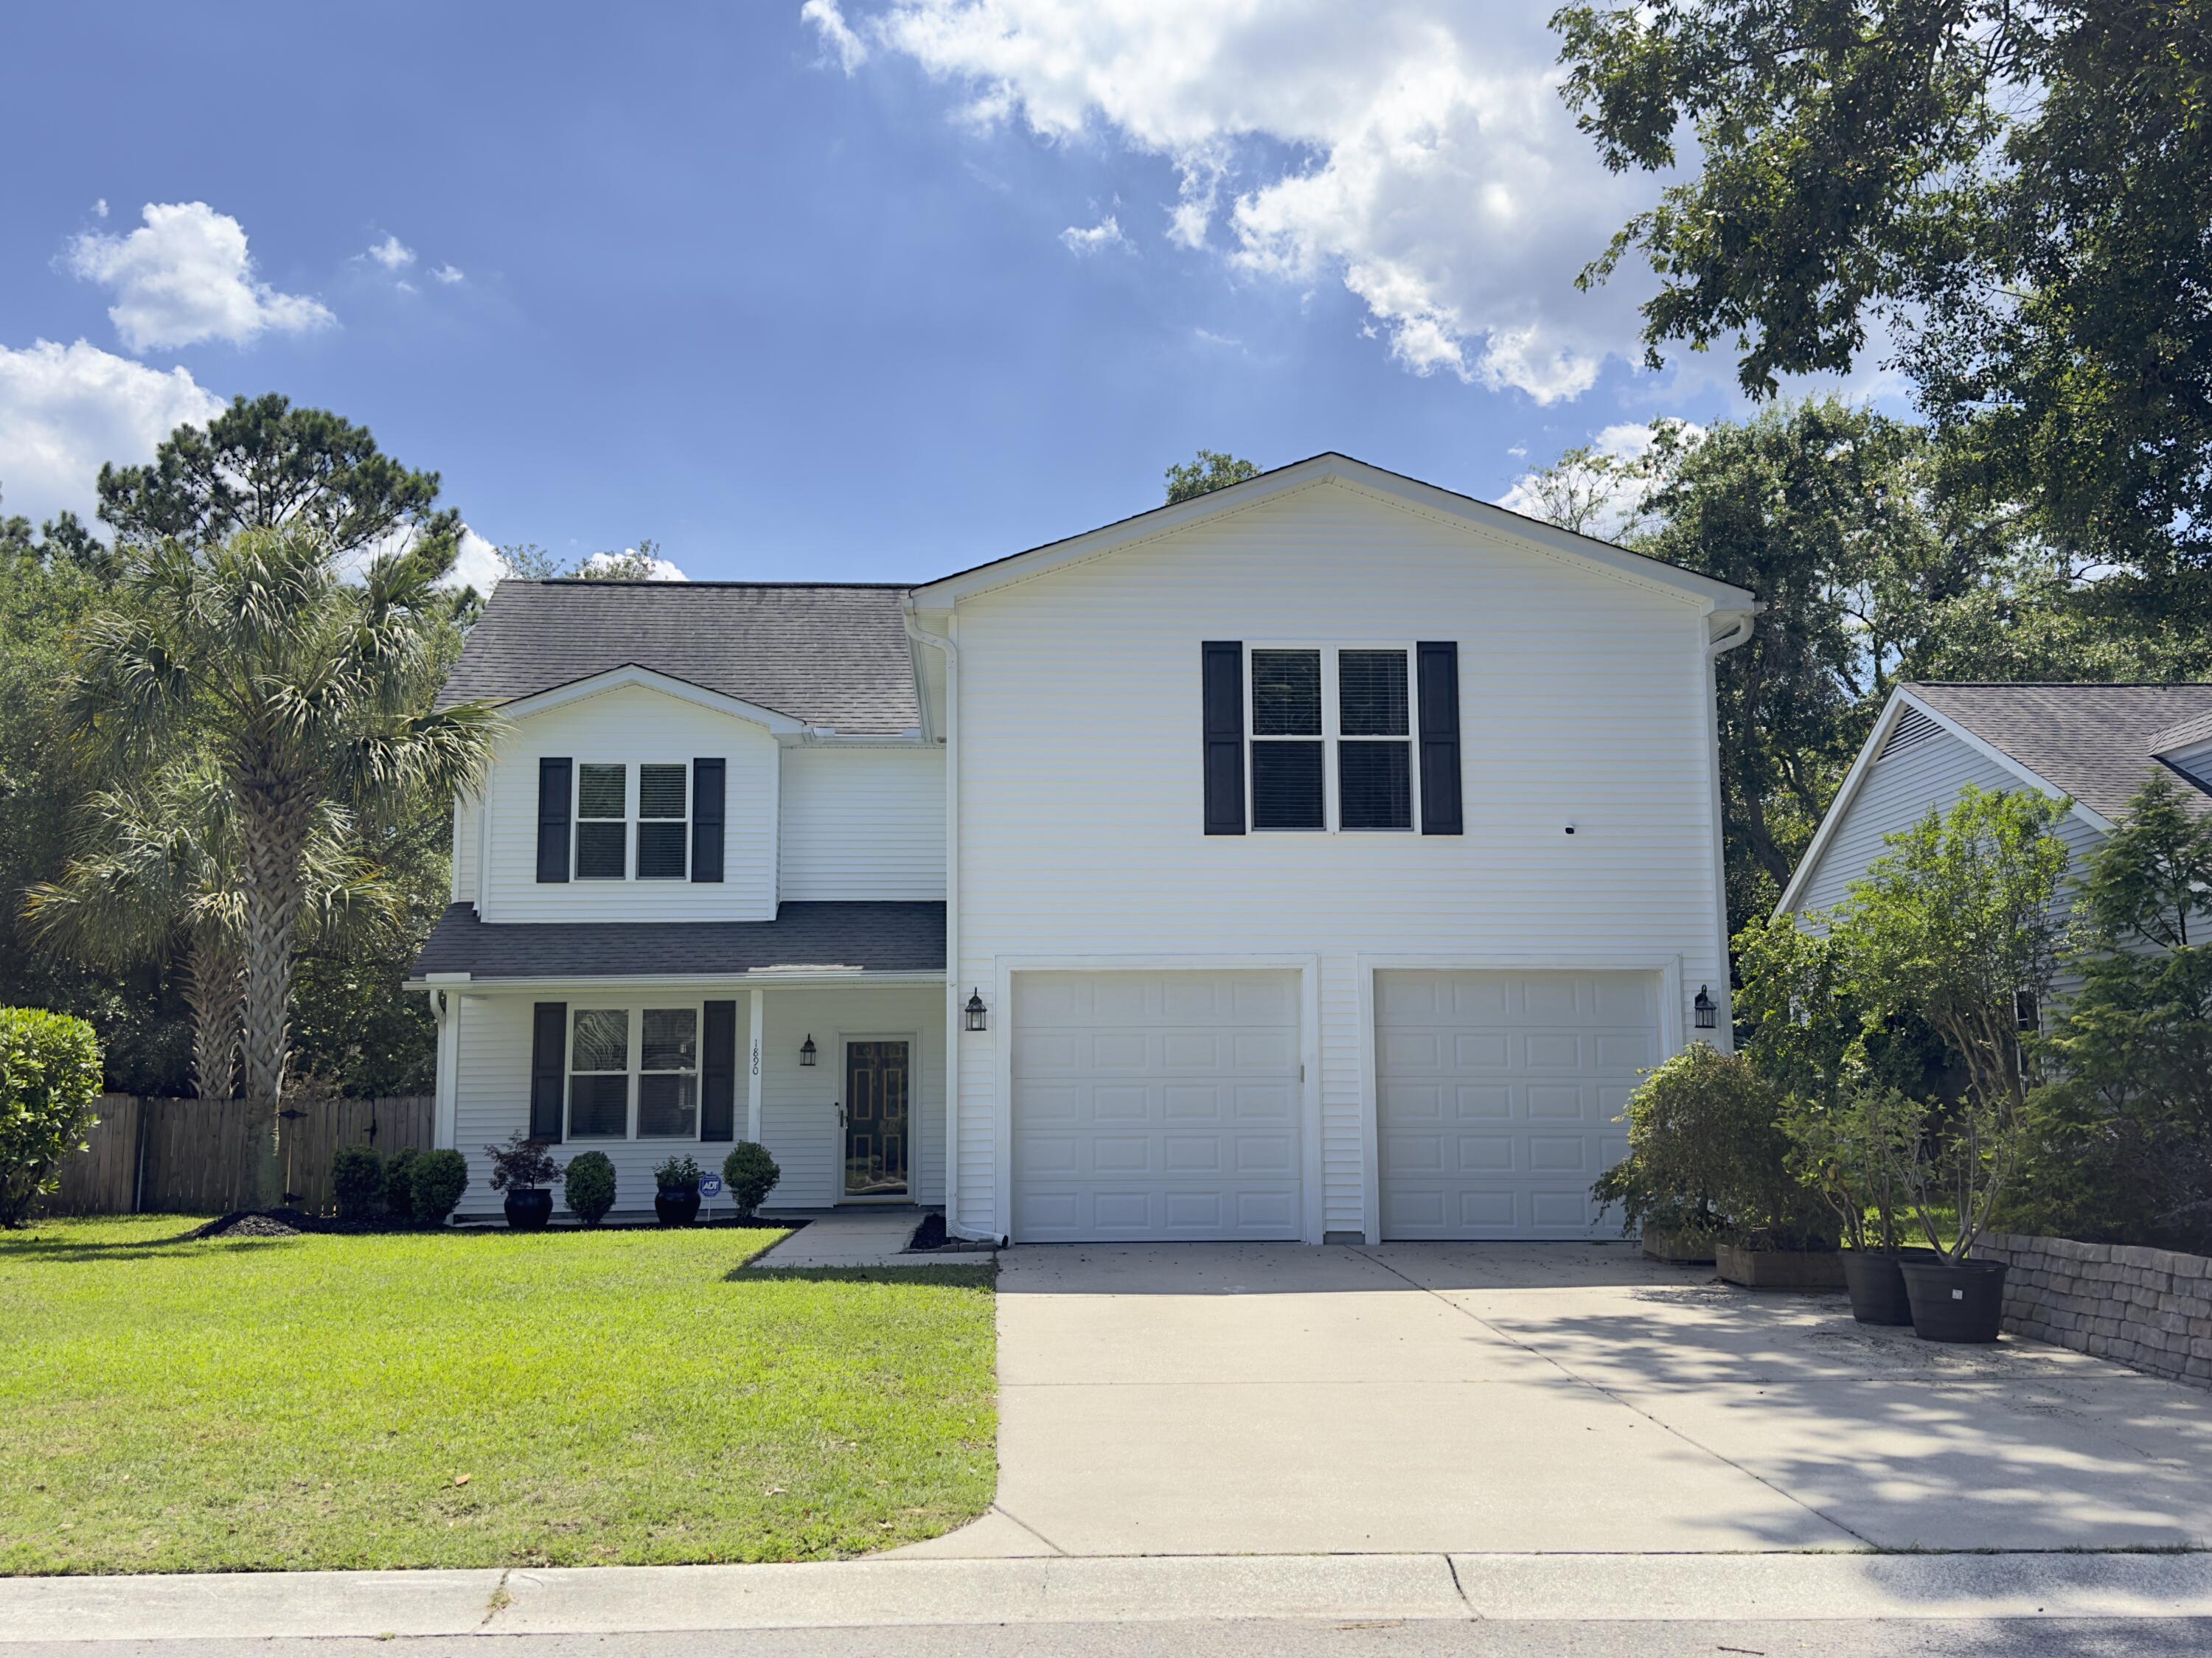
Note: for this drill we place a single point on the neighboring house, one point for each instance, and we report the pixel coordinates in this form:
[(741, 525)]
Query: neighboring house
[(2095, 745), (1321, 857)]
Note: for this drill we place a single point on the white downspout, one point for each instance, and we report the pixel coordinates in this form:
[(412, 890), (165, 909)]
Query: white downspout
[(952, 1005), (1717, 648)]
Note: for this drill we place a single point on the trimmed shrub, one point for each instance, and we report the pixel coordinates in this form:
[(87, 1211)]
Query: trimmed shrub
[(50, 1075), (358, 1182), (750, 1174), (522, 1164), (589, 1187), (440, 1177), (399, 1182)]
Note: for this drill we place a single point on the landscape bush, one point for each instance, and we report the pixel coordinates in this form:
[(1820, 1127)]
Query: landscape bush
[(522, 1164), (588, 1187), (750, 1174), (358, 1182), (681, 1173), (399, 1182), (50, 1075), (439, 1178)]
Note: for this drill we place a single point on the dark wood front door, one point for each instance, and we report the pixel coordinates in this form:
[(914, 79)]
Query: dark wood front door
[(876, 1138)]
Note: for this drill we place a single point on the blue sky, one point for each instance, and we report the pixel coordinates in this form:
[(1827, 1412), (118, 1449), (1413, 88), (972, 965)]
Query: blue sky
[(874, 292)]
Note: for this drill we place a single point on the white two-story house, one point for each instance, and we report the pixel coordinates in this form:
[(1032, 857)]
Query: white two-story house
[(1320, 858)]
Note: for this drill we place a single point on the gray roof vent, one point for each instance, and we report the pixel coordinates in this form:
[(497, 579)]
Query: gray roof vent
[(1913, 727)]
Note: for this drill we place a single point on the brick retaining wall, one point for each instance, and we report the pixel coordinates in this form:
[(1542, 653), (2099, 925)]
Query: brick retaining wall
[(2149, 1309)]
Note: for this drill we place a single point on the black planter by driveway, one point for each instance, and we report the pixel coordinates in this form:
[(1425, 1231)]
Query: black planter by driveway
[(1877, 1280), (1965, 1303), (527, 1211)]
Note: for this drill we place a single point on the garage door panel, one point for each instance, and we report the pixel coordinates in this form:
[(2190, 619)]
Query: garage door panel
[(1175, 1115), (1498, 1094)]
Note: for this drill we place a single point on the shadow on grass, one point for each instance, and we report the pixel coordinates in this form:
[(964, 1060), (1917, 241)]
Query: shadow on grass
[(34, 1246)]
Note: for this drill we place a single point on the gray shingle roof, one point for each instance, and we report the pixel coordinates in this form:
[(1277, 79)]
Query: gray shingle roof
[(2094, 742), (834, 656), (873, 937), (2188, 732)]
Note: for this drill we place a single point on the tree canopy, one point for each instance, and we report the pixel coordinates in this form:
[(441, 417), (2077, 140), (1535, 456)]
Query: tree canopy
[(1213, 470), (2011, 200)]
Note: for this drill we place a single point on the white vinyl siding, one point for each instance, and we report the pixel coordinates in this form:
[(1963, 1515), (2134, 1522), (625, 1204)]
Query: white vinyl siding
[(863, 823), (1583, 700), (799, 1105), (632, 725)]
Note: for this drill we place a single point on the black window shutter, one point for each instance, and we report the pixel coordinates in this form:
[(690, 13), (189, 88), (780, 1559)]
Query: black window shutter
[(1223, 664), (717, 1071), (1441, 812), (553, 820), (707, 790), (549, 1037)]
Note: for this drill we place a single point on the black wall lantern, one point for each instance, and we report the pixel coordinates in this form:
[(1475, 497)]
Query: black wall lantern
[(974, 1009), (1705, 1008), (807, 1052)]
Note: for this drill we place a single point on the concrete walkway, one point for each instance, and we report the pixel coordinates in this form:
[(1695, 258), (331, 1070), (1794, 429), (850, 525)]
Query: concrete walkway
[(856, 1237), (1523, 1398)]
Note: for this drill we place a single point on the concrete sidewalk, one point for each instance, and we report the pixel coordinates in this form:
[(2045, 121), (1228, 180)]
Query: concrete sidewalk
[(847, 1238), (886, 1593)]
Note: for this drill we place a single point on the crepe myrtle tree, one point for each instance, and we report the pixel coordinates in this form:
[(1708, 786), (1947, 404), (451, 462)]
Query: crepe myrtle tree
[(304, 690)]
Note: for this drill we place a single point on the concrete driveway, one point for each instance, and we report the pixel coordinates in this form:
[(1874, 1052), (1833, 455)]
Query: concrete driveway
[(1507, 1398)]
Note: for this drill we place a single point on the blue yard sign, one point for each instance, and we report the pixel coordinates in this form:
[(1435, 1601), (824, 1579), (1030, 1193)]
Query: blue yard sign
[(710, 1186)]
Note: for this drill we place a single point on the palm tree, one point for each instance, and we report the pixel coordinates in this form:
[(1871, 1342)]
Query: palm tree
[(304, 692), (162, 875)]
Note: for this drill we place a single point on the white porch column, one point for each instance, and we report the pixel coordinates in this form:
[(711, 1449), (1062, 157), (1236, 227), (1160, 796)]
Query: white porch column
[(753, 1075)]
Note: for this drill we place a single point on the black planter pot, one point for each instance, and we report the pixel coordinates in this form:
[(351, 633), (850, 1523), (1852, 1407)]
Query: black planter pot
[(529, 1210), (1965, 1303), (675, 1208), (1876, 1281)]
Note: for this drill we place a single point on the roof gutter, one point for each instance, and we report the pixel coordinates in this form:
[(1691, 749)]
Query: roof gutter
[(952, 1005)]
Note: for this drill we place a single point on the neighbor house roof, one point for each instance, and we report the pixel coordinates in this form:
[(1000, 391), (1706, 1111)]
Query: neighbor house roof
[(2094, 743), (829, 655), (861, 936)]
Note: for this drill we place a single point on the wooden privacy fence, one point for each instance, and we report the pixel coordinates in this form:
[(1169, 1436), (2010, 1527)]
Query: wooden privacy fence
[(197, 1156)]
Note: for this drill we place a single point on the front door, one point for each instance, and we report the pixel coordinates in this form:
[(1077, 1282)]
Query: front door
[(876, 1118)]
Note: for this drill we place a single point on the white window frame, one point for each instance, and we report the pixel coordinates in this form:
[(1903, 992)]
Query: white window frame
[(1332, 733), (633, 800), (634, 1052)]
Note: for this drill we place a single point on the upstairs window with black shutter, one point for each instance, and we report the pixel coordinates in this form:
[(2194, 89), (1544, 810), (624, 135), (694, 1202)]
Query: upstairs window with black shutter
[(663, 825), (1287, 784), (1375, 748), (602, 822)]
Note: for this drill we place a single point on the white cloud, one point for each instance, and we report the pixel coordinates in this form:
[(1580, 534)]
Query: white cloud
[(838, 40), (1101, 236), (66, 409), (659, 570), (1414, 150), (478, 564), (184, 276), (100, 208), (449, 274), (391, 253)]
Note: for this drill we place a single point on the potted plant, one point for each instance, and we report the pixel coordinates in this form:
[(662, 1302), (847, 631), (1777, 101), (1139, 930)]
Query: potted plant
[(1707, 1160), (676, 1194), (1849, 1150), (526, 1171), (1954, 925)]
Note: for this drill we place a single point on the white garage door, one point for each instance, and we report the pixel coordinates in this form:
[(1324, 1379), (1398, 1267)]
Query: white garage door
[(1499, 1093), (1155, 1105)]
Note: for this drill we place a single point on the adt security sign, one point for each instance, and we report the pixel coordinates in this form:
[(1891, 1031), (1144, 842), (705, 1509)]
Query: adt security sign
[(710, 1186)]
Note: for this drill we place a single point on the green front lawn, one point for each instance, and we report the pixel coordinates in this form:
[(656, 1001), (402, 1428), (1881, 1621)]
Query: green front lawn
[(457, 1400)]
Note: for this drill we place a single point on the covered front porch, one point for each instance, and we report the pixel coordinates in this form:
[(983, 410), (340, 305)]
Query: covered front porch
[(820, 1035)]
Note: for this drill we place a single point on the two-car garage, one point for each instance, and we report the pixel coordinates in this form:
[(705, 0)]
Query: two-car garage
[(1170, 1105)]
